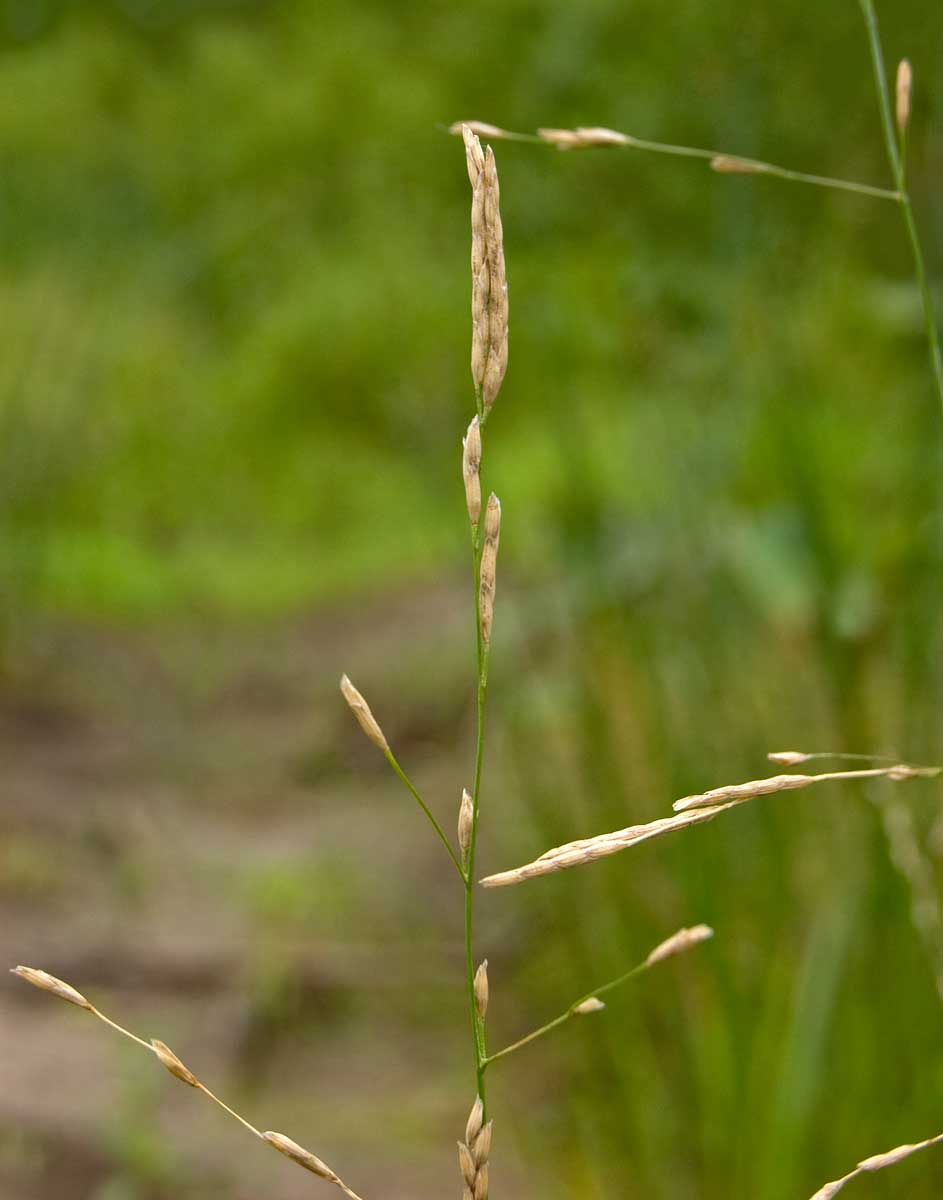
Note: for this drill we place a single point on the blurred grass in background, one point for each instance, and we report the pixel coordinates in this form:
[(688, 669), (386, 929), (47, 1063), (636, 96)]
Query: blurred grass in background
[(235, 296)]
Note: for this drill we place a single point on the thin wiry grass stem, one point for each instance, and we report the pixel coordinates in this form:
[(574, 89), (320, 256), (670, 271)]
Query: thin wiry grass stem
[(897, 160), (391, 759), (752, 166)]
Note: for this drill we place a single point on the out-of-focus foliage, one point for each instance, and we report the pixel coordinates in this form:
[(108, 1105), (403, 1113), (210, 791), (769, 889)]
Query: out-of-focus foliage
[(235, 302)]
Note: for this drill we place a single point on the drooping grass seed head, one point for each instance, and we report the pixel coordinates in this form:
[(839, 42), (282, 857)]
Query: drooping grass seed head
[(361, 710), (49, 983), (905, 81), (481, 990), (173, 1064), (471, 470)]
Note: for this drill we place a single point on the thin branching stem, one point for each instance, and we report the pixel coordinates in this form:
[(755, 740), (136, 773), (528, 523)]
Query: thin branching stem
[(753, 166), (897, 159), (570, 1012), (391, 759)]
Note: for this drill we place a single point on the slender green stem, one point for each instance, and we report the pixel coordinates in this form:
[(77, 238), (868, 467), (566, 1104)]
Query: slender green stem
[(896, 158), (570, 1012), (753, 166), (390, 758)]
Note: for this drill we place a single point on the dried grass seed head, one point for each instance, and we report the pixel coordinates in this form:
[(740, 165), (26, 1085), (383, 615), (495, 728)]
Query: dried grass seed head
[(788, 758), (483, 129), (481, 1150), (361, 710), (474, 1122), (49, 983), (467, 1164), (488, 567), (173, 1064), (474, 155)]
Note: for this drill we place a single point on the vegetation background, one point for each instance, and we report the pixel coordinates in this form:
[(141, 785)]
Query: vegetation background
[(234, 299)]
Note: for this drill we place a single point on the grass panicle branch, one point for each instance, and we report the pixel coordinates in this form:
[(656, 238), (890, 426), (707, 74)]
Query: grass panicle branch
[(691, 810), (176, 1067), (678, 943)]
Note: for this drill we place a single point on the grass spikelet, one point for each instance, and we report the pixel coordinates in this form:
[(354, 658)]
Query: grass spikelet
[(592, 1005), (49, 983), (904, 88), (729, 164), (471, 471), (173, 1064), (488, 570), (466, 823), (482, 129), (481, 990), (683, 940), (361, 710)]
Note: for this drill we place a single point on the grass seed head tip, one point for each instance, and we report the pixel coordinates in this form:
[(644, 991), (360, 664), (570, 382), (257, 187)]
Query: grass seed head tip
[(788, 758), (49, 983), (592, 1005), (304, 1158), (905, 79), (361, 710), (683, 940)]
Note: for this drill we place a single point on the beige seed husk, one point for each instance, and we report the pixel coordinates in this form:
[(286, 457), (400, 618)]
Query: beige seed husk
[(173, 1064), (788, 758), (361, 710), (488, 569), (597, 135), (905, 79), (304, 1158), (471, 470), (683, 940), (727, 164), (563, 139), (49, 983), (481, 1149), (593, 1004), (481, 1183), (475, 1118), (481, 990), (467, 1164), (466, 820)]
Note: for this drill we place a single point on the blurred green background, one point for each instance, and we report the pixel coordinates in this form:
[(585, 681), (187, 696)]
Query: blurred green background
[(234, 297)]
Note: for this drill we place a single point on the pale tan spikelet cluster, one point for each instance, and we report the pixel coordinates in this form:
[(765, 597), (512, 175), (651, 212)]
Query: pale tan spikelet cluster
[(489, 563), (690, 810), (591, 1005), (588, 850), (905, 82), (728, 164), (361, 710), (471, 471), (679, 942), (49, 983), (876, 1162), (743, 791), (489, 357), (583, 137), (310, 1162), (466, 821), (473, 1154)]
